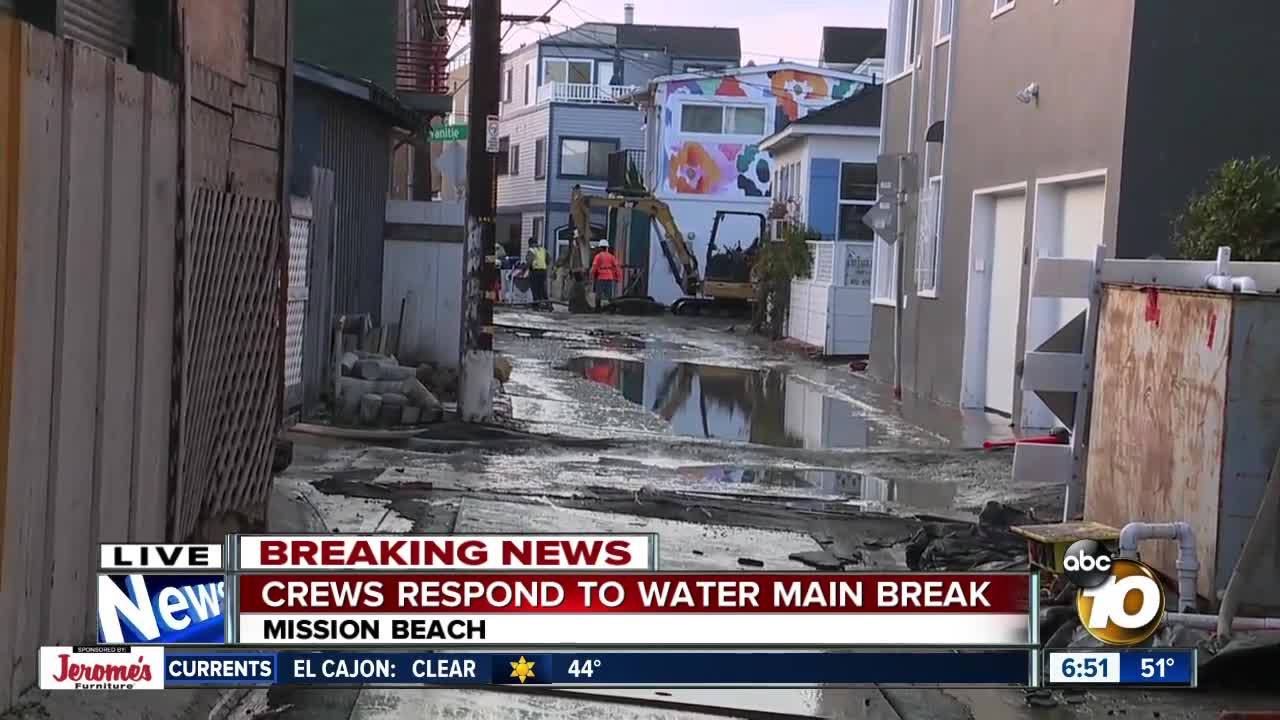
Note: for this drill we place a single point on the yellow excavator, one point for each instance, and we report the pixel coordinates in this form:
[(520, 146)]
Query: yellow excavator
[(731, 286)]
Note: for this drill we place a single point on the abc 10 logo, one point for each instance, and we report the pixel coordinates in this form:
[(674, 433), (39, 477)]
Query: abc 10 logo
[(1120, 601)]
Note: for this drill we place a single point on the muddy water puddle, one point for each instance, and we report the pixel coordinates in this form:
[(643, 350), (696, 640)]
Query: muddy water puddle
[(760, 406)]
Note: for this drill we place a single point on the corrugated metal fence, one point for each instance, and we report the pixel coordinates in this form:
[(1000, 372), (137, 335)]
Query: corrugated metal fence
[(317, 342), (338, 133), (104, 24), (96, 169)]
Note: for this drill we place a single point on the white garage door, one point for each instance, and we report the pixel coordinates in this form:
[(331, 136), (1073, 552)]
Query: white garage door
[(1006, 283)]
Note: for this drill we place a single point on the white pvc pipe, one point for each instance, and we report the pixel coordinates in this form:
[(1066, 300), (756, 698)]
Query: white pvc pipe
[(1221, 279), (1187, 564), (1210, 622)]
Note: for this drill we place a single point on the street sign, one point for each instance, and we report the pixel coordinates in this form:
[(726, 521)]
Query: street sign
[(491, 134), (448, 133)]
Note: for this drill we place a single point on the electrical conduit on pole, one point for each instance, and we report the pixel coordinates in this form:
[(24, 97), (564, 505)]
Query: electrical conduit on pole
[(475, 387)]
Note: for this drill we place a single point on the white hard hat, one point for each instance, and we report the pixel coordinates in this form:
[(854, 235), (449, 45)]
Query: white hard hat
[(603, 243)]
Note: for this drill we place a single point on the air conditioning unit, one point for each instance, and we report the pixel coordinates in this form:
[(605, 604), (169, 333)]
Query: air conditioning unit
[(778, 229)]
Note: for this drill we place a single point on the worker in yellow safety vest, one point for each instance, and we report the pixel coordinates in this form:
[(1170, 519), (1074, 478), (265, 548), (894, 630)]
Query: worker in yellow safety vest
[(537, 261)]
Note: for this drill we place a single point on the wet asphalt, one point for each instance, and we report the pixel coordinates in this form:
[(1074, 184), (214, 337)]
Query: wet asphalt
[(731, 448)]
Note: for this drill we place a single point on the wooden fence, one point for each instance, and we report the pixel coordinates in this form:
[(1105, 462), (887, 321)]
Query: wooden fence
[(228, 410), (90, 168)]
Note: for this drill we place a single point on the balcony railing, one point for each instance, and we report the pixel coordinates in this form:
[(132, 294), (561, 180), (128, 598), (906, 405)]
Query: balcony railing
[(420, 67), (626, 172), (583, 93)]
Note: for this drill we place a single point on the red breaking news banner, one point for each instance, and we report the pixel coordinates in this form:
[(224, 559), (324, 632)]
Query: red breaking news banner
[(279, 594)]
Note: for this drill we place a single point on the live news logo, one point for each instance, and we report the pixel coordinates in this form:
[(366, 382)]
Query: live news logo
[(138, 556)]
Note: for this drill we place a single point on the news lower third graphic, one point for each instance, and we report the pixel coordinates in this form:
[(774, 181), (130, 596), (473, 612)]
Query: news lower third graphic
[(1120, 601), (147, 609)]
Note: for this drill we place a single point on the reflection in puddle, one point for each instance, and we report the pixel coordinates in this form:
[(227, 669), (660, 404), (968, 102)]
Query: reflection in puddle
[(767, 407), (852, 485)]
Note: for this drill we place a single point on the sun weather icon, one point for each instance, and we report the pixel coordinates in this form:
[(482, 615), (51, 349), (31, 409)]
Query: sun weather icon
[(522, 669)]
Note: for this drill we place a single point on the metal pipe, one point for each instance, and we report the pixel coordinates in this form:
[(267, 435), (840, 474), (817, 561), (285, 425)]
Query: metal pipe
[(1261, 535), (1213, 622), (1187, 564)]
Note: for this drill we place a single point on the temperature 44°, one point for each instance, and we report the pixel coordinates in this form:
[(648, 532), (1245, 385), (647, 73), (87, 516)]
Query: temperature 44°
[(584, 667)]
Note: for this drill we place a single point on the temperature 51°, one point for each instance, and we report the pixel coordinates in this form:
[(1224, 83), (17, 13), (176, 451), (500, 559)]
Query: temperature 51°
[(1156, 667), (586, 667)]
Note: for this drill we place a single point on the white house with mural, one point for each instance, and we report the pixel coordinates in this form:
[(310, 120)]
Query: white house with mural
[(702, 147)]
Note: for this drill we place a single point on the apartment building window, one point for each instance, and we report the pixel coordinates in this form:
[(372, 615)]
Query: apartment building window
[(567, 70), (586, 158), (537, 229), (540, 158), (946, 9), (1002, 5), (857, 196), (506, 85), (514, 160), (503, 159), (722, 120), (904, 21), (528, 82), (929, 240)]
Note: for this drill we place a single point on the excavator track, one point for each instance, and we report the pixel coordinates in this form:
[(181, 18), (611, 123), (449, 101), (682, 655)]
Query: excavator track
[(711, 307)]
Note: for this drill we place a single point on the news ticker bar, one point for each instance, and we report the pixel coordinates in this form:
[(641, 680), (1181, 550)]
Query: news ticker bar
[(152, 667), (185, 668), (1134, 668)]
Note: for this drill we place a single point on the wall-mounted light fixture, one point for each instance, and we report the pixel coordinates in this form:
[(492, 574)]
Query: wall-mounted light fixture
[(1029, 95)]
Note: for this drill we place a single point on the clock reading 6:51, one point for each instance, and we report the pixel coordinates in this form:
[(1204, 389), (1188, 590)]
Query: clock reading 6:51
[(1084, 668)]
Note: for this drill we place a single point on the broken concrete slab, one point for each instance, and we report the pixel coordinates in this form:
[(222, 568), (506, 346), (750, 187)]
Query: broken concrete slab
[(722, 545), (835, 703), (382, 368), (449, 704), (419, 396), (820, 559), (370, 408)]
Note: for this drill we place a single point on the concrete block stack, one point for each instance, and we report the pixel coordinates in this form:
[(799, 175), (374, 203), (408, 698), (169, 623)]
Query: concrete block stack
[(377, 391)]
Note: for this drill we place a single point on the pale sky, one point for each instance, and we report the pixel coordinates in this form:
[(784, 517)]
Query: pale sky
[(791, 29)]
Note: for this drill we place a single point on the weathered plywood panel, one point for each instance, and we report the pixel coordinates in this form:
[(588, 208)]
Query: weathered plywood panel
[(256, 128), (156, 313), (1157, 423), (26, 566), (78, 354), (211, 88), (259, 95), (219, 35), (255, 171), (270, 31), (210, 147)]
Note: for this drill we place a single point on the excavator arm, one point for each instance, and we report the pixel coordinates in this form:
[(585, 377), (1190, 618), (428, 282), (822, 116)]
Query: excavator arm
[(683, 263)]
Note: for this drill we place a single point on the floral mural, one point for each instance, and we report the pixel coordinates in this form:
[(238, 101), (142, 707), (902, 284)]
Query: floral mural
[(696, 166)]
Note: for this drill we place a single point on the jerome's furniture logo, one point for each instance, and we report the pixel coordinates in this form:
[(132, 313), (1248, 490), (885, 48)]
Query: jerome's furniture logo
[(102, 668)]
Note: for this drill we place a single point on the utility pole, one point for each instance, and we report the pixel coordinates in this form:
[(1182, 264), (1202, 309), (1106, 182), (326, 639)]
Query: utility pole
[(475, 386)]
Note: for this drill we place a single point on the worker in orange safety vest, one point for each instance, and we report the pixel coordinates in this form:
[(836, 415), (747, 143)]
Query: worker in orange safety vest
[(606, 272)]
